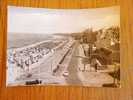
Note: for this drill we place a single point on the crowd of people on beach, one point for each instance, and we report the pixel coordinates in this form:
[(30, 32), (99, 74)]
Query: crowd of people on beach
[(26, 57)]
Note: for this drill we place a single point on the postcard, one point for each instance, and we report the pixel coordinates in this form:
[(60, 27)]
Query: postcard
[(65, 47)]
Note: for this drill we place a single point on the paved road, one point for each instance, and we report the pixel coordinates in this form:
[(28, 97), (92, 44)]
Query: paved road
[(86, 78), (72, 69)]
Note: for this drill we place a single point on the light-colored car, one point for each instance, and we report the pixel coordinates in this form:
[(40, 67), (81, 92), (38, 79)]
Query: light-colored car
[(65, 74)]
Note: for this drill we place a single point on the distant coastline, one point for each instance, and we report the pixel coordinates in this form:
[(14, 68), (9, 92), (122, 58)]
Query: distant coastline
[(16, 40)]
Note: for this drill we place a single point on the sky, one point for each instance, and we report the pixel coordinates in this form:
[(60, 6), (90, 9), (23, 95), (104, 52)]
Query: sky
[(49, 21)]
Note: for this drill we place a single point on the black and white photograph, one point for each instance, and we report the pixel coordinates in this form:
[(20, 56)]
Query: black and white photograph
[(65, 47)]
